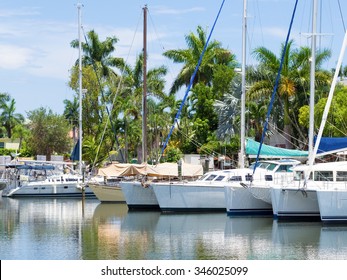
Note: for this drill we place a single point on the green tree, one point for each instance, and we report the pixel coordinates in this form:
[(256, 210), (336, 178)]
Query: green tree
[(9, 118), (71, 113), (128, 104), (49, 133), (98, 75), (293, 88), (212, 80), (214, 55)]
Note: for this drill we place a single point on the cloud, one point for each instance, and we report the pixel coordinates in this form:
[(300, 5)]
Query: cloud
[(24, 11), (14, 57), (162, 10)]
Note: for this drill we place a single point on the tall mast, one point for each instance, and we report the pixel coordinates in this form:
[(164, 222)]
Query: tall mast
[(144, 96), (243, 86), (79, 7), (312, 80)]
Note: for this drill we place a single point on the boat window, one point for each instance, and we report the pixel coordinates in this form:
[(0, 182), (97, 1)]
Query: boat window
[(236, 178), (323, 176), (202, 178), (211, 177), (341, 176), (249, 177), (271, 166), (284, 168), (220, 178), (299, 175), (268, 177)]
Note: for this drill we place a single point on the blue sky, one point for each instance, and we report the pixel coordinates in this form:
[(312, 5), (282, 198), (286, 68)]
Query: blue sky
[(35, 36)]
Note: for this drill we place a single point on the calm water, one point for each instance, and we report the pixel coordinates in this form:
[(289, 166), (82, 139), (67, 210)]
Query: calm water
[(75, 229)]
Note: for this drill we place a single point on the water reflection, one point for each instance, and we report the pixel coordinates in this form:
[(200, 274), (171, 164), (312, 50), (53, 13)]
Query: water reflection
[(87, 229)]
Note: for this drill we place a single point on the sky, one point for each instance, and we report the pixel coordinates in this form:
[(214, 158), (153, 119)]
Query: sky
[(35, 35)]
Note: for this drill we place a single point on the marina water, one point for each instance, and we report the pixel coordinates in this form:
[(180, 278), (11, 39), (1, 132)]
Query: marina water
[(85, 229)]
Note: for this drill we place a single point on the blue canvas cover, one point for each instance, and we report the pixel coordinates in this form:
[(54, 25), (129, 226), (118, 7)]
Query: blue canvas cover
[(331, 144)]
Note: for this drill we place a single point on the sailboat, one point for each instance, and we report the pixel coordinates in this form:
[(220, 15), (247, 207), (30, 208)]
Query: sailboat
[(332, 196), (48, 179), (299, 198), (249, 193)]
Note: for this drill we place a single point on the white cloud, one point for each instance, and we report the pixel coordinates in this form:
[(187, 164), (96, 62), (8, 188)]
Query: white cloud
[(161, 10), (14, 57)]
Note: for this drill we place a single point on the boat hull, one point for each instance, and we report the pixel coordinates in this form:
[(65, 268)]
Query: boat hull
[(294, 203), (108, 193), (242, 201), (49, 190), (186, 197), (332, 205), (138, 195)]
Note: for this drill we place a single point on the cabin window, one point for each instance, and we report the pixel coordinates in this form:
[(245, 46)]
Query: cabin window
[(268, 177), (249, 177), (299, 175), (323, 176), (219, 178), (211, 177), (271, 166), (284, 168), (236, 178), (341, 176)]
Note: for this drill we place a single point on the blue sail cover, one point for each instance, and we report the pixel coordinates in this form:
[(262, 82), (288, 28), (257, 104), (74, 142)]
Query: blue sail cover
[(267, 151), (331, 144), (75, 155)]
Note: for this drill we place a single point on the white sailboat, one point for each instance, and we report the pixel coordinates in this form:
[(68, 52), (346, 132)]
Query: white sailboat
[(310, 193), (252, 196), (48, 179)]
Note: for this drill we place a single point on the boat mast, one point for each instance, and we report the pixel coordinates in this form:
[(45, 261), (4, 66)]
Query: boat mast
[(79, 7), (312, 80), (144, 96), (243, 87)]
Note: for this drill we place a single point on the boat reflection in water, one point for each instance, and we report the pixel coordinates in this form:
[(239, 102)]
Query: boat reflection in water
[(75, 229), (297, 239), (333, 242)]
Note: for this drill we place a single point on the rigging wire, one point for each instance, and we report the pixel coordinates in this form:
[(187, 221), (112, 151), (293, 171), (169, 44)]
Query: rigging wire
[(119, 87), (276, 85), (341, 14), (160, 42), (102, 94), (191, 81)]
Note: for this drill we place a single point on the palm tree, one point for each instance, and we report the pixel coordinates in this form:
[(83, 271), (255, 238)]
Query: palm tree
[(210, 83), (214, 55), (8, 117), (294, 81), (71, 113), (97, 57), (99, 54), (129, 100)]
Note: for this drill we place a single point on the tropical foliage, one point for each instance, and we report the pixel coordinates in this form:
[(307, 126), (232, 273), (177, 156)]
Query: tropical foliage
[(209, 120)]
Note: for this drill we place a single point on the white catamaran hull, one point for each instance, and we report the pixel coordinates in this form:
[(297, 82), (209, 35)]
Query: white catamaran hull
[(138, 195), (291, 202), (190, 197), (246, 200), (332, 204)]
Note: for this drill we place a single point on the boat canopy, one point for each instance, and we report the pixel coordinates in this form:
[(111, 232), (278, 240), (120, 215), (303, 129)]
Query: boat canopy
[(329, 145), (267, 151), (159, 170)]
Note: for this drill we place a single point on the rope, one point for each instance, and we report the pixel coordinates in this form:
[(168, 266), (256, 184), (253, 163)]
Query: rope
[(191, 82), (275, 87)]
